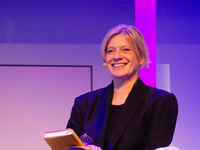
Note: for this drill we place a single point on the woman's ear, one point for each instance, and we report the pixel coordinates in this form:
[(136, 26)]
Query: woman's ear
[(141, 61)]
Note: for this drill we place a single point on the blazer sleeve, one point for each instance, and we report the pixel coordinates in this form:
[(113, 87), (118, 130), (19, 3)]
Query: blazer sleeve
[(77, 116), (162, 124)]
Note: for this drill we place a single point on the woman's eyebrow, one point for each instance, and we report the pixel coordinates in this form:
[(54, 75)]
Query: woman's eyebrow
[(111, 47), (126, 46)]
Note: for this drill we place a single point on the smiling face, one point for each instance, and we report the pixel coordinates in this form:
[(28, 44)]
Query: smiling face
[(121, 60)]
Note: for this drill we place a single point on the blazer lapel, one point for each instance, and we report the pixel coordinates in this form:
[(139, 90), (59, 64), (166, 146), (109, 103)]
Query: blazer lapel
[(103, 108), (132, 104)]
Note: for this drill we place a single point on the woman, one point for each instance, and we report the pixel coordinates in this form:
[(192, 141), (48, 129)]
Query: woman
[(127, 114)]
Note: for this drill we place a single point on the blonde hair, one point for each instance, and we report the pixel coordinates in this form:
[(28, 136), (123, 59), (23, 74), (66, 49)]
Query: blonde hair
[(135, 38)]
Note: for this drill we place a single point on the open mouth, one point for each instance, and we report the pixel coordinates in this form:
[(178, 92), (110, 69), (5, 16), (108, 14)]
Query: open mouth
[(118, 65)]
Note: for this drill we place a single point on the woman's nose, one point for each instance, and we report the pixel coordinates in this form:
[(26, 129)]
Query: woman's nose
[(118, 54)]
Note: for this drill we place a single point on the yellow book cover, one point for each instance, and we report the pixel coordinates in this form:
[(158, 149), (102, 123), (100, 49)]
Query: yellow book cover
[(61, 139)]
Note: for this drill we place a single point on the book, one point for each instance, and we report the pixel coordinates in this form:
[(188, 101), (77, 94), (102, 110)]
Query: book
[(61, 139)]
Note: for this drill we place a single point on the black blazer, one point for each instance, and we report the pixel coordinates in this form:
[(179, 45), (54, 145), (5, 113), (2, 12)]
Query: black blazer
[(147, 120)]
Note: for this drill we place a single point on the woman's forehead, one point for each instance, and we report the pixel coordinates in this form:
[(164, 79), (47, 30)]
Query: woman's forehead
[(120, 39)]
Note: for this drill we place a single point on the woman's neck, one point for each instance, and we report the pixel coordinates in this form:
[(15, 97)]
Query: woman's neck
[(122, 89)]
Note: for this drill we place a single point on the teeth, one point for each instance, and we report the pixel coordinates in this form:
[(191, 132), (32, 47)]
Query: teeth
[(118, 64)]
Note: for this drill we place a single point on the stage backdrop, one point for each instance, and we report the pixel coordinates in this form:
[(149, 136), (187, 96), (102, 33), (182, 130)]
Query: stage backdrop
[(36, 99)]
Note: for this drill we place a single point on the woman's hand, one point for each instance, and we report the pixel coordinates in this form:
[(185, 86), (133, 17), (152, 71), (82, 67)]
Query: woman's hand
[(93, 147)]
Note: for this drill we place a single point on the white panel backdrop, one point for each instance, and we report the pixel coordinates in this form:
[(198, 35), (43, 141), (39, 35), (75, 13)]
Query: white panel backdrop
[(35, 100)]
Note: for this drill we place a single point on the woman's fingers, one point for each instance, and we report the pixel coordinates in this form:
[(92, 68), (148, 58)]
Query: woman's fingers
[(93, 147)]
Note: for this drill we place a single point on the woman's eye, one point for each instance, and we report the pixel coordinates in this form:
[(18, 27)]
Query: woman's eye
[(126, 49), (110, 51)]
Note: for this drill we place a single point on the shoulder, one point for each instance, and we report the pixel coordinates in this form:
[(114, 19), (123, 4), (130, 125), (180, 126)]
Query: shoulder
[(90, 97), (87, 101), (160, 96), (161, 93), (90, 94)]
